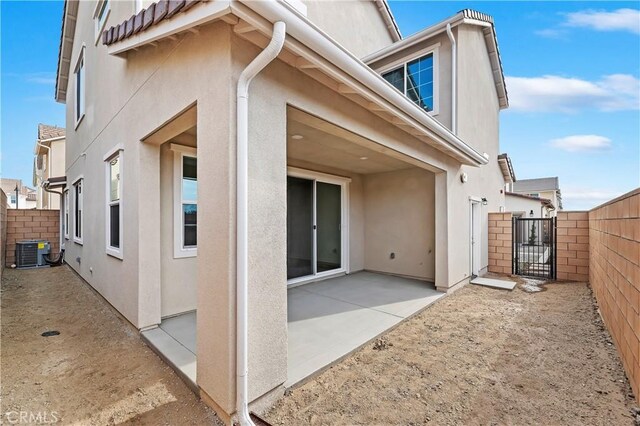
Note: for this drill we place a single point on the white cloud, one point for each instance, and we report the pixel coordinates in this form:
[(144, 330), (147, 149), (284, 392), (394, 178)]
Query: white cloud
[(552, 33), (582, 143), (601, 20), (586, 199), (552, 93)]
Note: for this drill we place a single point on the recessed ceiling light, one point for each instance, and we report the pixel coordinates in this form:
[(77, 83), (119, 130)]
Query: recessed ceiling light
[(297, 137), (364, 158)]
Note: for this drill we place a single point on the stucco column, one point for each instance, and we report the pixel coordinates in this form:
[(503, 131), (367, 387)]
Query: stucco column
[(148, 201), (442, 231), (216, 252)]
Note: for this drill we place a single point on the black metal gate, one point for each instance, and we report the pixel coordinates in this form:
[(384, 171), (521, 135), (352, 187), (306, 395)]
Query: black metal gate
[(534, 247)]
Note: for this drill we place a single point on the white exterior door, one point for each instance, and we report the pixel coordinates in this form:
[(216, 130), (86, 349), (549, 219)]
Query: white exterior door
[(476, 236)]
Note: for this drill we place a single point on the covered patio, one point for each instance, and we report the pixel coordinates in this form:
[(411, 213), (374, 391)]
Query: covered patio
[(329, 319)]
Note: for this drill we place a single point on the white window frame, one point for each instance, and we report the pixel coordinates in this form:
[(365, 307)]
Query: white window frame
[(434, 49), (79, 73), (117, 252), (343, 182), (67, 217), (100, 21), (179, 250), (76, 239)]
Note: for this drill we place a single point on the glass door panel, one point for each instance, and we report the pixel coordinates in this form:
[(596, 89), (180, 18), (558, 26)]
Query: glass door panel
[(328, 221), (299, 227)]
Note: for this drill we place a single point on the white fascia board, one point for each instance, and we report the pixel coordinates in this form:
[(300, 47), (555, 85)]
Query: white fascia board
[(199, 15), (369, 83)]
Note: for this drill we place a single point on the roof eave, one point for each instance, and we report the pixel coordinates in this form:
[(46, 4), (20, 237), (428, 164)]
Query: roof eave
[(69, 16)]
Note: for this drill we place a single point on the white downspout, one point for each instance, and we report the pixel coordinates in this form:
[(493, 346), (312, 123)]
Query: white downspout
[(242, 188), (454, 83)]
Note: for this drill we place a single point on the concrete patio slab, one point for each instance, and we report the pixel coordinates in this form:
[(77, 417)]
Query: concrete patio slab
[(492, 282), (181, 359), (183, 329), (330, 319)]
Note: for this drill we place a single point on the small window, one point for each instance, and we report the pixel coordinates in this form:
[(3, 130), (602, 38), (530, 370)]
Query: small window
[(186, 203), (78, 219), (80, 88), (189, 202), (416, 79), (103, 7), (65, 224), (114, 204)]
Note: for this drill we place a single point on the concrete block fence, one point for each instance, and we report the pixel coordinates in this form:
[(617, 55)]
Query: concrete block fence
[(614, 275), (573, 246), (25, 224), (500, 243)]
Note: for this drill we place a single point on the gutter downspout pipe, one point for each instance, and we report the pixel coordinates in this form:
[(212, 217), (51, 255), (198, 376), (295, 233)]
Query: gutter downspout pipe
[(242, 188), (454, 83), (48, 148)]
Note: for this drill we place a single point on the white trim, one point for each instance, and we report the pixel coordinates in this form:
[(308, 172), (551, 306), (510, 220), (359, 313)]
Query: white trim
[(433, 50), (179, 250), (117, 252), (80, 71), (311, 174), (99, 27), (113, 151), (343, 182), (188, 150), (79, 179)]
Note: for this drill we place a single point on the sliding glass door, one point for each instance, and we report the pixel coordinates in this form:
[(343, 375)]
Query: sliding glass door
[(314, 227)]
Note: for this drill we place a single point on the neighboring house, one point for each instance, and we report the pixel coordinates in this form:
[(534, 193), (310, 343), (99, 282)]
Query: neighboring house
[(48, 163), (23, 198), (545, 188), (362, 151), (522, 205)]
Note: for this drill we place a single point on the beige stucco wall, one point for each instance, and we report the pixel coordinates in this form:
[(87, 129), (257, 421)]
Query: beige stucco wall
[(179, 278), (355, 24), (519, 205), (399, 219)]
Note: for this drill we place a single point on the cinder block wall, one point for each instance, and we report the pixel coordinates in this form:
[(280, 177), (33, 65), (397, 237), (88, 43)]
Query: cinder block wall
[(614, 238), (29, 225), (573, 246), (500, 243), (3, 228)]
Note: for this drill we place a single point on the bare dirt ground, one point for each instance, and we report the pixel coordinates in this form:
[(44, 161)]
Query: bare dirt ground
[(479, 356), (97, 371)]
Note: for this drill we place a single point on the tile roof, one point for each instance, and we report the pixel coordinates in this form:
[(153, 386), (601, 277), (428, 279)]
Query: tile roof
[(46, 131), (540, 184), (152, 15)]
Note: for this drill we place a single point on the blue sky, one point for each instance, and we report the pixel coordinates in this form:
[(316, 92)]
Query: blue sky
[(572, 70)]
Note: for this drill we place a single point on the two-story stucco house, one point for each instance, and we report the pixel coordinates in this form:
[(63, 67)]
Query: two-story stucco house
[(49, 156), (234, 168)]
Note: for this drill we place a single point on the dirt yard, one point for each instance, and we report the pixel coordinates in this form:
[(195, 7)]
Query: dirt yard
[(97, 371), (480, 356)]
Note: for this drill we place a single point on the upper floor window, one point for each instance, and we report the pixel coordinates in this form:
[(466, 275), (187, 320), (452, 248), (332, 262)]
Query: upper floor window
[(79, 77), (185, 192), (103, 7), (417, 79)]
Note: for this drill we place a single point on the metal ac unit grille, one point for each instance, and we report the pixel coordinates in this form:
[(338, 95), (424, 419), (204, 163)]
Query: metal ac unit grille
[(26, 254)]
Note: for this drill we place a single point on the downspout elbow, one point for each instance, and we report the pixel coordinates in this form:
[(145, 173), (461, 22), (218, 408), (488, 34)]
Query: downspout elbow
[(454, 72)]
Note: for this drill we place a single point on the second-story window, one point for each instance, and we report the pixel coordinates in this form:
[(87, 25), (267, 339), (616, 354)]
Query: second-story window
[(416, 79), (100, 16), (79, 77)]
